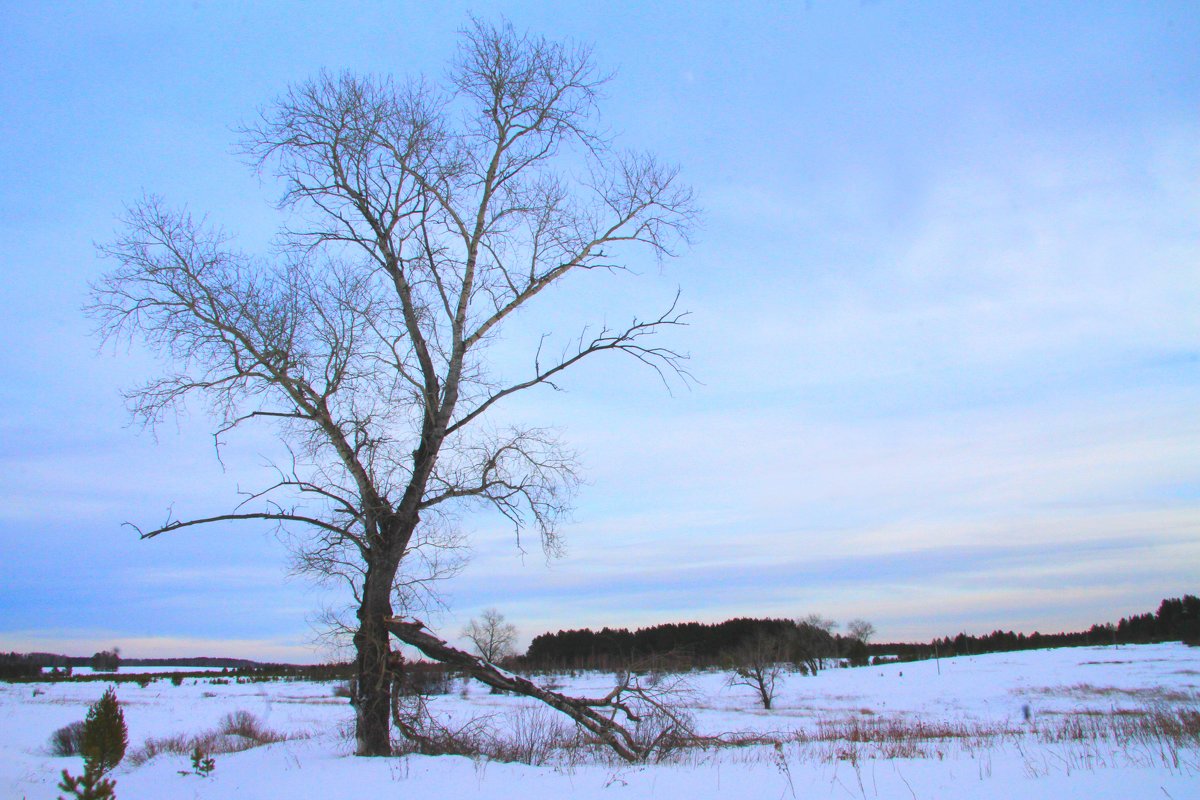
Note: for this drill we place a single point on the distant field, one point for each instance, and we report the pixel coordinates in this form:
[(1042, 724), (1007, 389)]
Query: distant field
[(1078, 722), (132, 670)]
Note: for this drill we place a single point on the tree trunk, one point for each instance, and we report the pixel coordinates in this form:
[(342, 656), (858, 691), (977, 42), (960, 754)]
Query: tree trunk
[(373, 685)]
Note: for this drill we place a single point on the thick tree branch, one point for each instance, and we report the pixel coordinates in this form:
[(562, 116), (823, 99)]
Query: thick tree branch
[(174, 526), (581, 710)]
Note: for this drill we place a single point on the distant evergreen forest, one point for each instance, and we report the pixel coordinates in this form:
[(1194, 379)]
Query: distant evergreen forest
[(1176, 620), (106, 658), (677, 645), (30, 666), (694, 644), (811, 644)]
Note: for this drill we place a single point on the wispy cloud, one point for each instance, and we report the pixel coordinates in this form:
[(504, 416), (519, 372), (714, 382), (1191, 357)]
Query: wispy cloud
[(944, 326)]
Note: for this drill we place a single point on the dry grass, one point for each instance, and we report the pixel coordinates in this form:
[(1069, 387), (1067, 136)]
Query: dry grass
[(1152, 695), (1176, 727), (238, 731), (1171, 737), (534, 735), (1157, 734)]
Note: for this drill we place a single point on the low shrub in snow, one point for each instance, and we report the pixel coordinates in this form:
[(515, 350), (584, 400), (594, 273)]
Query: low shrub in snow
[(238, 731), (67, 740)]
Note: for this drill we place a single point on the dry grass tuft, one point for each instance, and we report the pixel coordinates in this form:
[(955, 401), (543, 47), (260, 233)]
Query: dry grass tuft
[(1152, 694), (238, 731)]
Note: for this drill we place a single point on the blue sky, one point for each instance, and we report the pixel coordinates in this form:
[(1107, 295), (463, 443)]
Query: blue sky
[(944, 305)]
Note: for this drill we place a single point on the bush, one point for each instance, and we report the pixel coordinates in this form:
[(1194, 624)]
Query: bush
[(248, 726), (535, 735), (67, 740), (425, 679), (239, 731)]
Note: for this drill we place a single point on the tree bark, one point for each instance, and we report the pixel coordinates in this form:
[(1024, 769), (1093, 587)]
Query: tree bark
[(373, 686)]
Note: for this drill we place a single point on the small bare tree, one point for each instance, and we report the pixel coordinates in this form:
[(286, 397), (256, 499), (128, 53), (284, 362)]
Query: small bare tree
[(492, 637), (758, 663), (425, 217)]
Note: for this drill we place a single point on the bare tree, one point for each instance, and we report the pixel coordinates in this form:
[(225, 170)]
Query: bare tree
[(423, 218), (492, 637), (860, 630), (758, 663), (813, 643)]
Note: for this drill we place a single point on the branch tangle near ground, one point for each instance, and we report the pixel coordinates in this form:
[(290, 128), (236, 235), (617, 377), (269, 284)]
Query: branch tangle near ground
[(583, 710)]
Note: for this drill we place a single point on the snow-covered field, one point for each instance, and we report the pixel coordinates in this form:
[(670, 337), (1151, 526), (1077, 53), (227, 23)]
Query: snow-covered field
[(1040, 724), (143, 670)]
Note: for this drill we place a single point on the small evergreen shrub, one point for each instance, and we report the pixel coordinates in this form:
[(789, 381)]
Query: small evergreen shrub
[(202, 763), (102, 743), (105, 736), (91, 785)]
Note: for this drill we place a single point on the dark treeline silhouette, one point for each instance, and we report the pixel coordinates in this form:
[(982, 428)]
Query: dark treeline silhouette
[(108, 657), (688, 645), (809, 644), (681, 645), (38, 666), (107, 660), (1177, 619)]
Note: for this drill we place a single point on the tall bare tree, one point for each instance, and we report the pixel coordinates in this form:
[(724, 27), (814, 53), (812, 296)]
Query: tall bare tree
[(492, 637), (424, 217)]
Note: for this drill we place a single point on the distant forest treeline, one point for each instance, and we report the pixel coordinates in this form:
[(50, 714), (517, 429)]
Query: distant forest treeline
[(61, 661), (30, 666), (810, 643), (678, 645), (694, 644), (1177, 619)]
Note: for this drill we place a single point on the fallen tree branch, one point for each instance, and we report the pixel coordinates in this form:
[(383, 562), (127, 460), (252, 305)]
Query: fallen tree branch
[(582, 710)]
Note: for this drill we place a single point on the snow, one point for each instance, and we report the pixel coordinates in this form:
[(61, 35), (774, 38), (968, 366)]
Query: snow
[(135, 670), (983, 693)]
